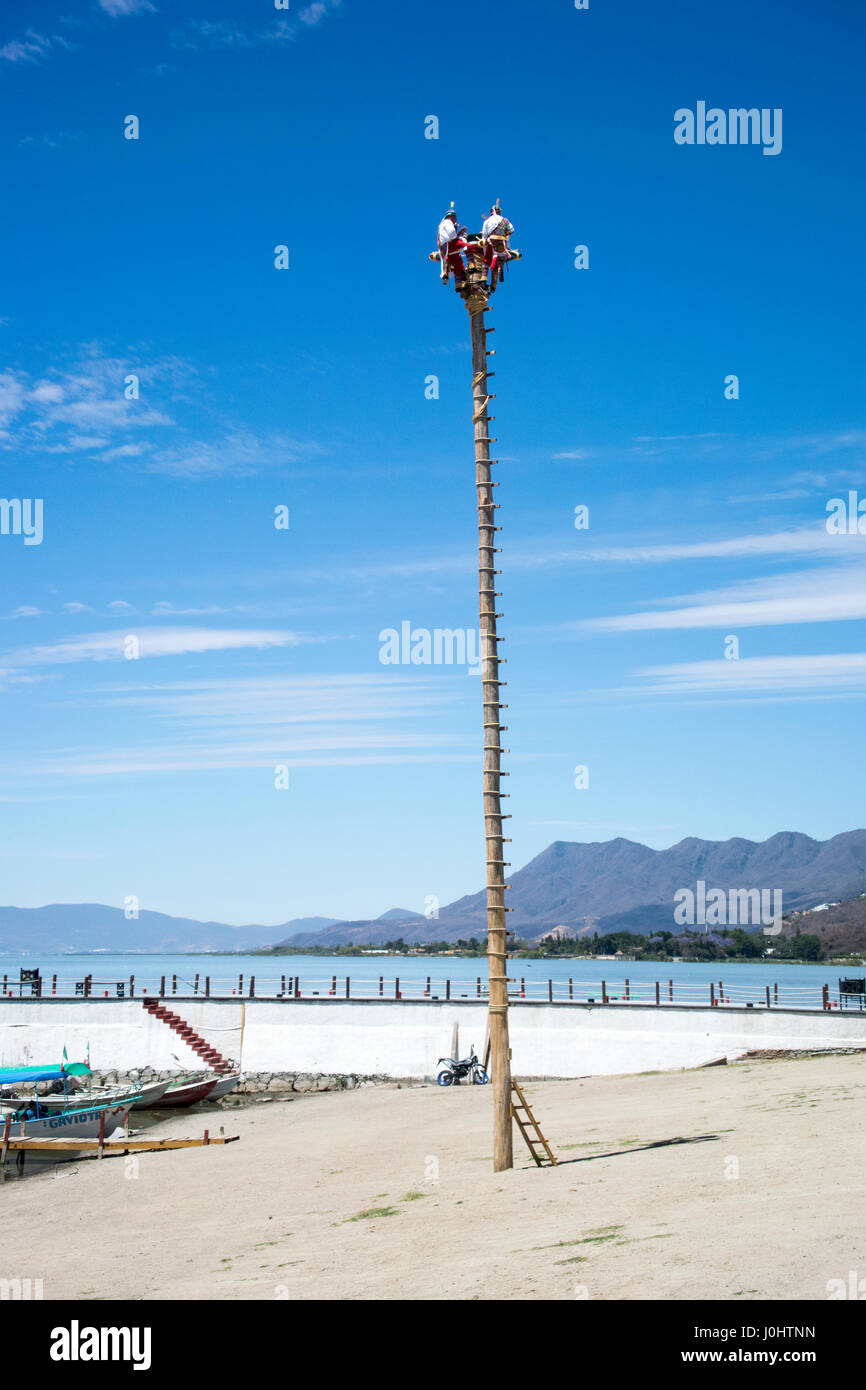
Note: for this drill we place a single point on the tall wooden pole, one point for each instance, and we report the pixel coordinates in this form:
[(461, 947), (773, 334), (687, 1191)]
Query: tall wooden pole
[(475, 296)]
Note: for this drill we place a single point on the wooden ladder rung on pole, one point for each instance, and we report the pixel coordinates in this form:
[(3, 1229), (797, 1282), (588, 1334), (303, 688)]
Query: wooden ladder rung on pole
[(530, 1121)]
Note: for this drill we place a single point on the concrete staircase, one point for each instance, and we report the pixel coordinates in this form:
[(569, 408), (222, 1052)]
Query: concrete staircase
[(208, 1054)]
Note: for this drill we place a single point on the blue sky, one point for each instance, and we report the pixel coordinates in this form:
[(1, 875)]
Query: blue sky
[(305, 388)]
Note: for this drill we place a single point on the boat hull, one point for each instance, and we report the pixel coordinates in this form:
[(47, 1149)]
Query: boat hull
[(189, 1093), (78, 1100), (150, 1094), (73, 1124), (224, 1085)]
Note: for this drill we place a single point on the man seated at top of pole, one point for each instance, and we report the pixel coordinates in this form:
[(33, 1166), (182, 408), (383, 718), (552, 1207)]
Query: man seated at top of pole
[(451, 246), (496, 232), (488, 250)]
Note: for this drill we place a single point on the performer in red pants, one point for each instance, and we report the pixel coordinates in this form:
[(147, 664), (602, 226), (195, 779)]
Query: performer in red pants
[(451, 247), (495, 232)]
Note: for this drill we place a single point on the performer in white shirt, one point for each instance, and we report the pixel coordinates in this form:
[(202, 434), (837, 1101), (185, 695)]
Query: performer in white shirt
[(451, 245), (495, 233)]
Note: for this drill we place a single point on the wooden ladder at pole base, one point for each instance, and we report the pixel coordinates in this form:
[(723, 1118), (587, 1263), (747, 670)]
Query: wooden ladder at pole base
[(527, 1123)]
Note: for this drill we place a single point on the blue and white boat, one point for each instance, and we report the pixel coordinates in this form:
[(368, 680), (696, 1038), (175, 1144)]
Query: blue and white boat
[(69, 1091), (31, 1119)]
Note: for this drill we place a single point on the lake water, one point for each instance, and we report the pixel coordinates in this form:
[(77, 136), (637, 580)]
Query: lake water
[(792, 985)]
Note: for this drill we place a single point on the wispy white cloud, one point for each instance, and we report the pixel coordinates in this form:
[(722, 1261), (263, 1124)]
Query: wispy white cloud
[(51, 142), (806, 540), (151, 642), (646, 834), (748, 452), (337, 720), (813, 541), (240, 453), (121, 608), (677, 438), (47, 393), (228, 33), (313, 14), (443, 349), (117, 8), (33, 47), (82, 407), (808, 596), (12, 395), (123, 451), (221, 757), (831, 442), (791, 494), (77, 443), (91, 413), (840, 673), (164, 609), (767, 446), (263, 701)]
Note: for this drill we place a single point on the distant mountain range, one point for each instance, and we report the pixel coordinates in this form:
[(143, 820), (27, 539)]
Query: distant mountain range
[(615, 885), (95, 927), (618, 885)]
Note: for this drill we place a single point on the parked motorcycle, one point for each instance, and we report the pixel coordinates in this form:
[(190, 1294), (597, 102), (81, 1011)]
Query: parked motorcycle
[(451, 1070)]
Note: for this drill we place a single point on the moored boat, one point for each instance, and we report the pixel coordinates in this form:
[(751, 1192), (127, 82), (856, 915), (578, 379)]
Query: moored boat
[(74, 1124), (187, 1092), (54, 1090), (58, 1101), (150, 1093), (226, 1083), (13, 1100)]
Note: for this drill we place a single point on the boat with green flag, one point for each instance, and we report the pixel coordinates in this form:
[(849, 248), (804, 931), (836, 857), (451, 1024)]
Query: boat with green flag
[(71, 1087), (31, 1119)]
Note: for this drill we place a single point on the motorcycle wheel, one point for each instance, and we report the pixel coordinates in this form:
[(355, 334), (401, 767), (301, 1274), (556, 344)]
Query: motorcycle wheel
[(480, 1077), (445, 1078)]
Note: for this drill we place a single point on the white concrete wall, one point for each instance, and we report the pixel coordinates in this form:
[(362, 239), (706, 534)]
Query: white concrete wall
[(120, 1032), (405, 1039)]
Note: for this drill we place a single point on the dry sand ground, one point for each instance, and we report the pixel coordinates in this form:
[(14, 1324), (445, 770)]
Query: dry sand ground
[(741, 1182)]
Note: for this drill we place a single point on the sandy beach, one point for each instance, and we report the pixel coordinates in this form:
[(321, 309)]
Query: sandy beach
[(741, 1182)]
